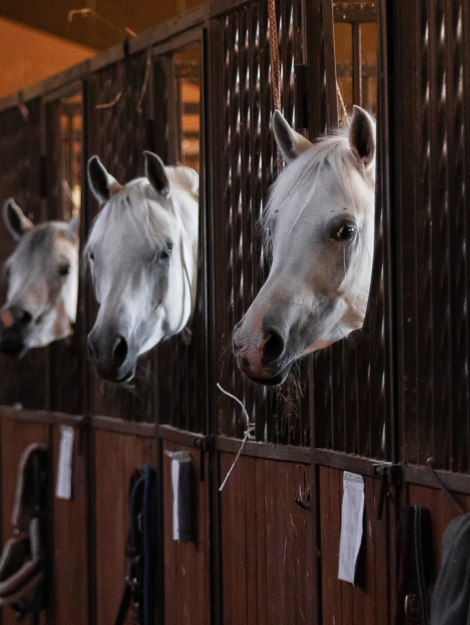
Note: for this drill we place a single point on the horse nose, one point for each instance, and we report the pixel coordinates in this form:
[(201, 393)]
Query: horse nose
[(274, 346), (20, 315), (120, 352)]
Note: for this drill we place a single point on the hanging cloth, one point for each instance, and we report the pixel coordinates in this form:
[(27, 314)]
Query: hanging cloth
[(23, 560), (451, 597), (413, 541), (141, 548)]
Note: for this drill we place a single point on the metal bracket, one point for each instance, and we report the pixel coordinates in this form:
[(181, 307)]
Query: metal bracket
[(392, 476), (205, 444)]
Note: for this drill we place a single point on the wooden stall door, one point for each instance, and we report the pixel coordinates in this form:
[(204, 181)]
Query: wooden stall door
[(117, 456), (186, 566), (371, 600), (266, 543), (67, 527)]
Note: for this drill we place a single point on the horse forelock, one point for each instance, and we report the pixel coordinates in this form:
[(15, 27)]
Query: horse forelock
[(133, 209), (330, 155)]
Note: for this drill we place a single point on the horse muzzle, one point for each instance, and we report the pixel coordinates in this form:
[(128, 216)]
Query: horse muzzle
[(261, 360), (112, 358)]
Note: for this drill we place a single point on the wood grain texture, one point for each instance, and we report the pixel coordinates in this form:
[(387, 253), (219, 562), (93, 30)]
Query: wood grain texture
[(370, 600), (70, 588), (187, 591), (15, 437), (117, 457), (266, 575)]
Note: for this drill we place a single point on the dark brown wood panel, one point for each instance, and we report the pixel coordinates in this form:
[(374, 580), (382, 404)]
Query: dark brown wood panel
[(370, 601), (265, 535), (116, 458), (187, 582), (15, 437), (70, 588), (442, 513)]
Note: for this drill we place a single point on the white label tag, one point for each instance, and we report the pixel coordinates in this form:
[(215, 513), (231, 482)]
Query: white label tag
[(351, 525), (175, 477), (64, 470)]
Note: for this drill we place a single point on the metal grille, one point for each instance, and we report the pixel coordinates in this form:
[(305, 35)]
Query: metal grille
[(119, 133), (434, 237), (21, 177), (244, 110)]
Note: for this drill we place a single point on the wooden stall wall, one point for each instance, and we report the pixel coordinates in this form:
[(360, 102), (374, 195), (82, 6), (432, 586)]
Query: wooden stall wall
[(187, 580), (117, 456), (67, 520), (266, 543)]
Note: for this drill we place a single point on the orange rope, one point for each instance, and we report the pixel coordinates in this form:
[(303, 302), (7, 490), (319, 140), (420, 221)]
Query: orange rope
[(275, 66)]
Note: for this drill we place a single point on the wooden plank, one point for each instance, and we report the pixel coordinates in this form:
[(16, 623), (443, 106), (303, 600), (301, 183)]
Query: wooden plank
[(251, 551), (326, 560), (16, 436), (346, 587), (186, 594), (234, 558), (70, 588), (368, 581), (335, 586), (116, 457), (381, 563), (300, 525), (279, 567), (112, 484), (264, 450), (261, 543)]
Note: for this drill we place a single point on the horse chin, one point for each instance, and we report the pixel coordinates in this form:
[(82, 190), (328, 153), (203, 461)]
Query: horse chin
[(275, 380), (109, 375)]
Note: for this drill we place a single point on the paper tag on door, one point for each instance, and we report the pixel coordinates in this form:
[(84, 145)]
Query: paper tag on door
[(64, 470), (351, 525)]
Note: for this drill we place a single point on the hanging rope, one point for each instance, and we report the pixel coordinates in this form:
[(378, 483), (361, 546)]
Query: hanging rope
[(250, 428), (86, 11), (275, 66), (344, 112)]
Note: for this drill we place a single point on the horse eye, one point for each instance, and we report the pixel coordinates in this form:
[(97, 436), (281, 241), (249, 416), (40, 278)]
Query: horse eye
[(345, 233), (166, 252), (92, 256), (64, 270)]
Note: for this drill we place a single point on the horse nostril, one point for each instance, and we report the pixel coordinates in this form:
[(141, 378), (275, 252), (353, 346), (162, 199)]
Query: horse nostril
[(120, 352), (26, 317), (274, 346)]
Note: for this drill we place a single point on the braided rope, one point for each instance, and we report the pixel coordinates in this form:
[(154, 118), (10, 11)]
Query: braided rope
[(275, 66)]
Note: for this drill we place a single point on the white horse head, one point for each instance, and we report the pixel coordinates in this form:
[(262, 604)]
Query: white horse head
[(42, 275), (320, 218), (142, 254)]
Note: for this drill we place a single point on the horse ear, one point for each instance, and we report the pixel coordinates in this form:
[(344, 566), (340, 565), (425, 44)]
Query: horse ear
[(73, 225), (156, 173), (362, 136), (102, 184), (15, 220), (291, 143)]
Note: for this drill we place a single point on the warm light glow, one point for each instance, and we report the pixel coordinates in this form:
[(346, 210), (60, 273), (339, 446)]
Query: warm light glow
[(28, 56)]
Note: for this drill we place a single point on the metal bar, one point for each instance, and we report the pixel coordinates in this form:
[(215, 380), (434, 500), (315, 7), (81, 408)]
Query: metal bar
[(39, 416), (356, 64), (133, 428), (330, 63), (288, 453)]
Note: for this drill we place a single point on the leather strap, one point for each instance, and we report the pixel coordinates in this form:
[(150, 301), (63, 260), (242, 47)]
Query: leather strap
[(141, 549), (124, 606)]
